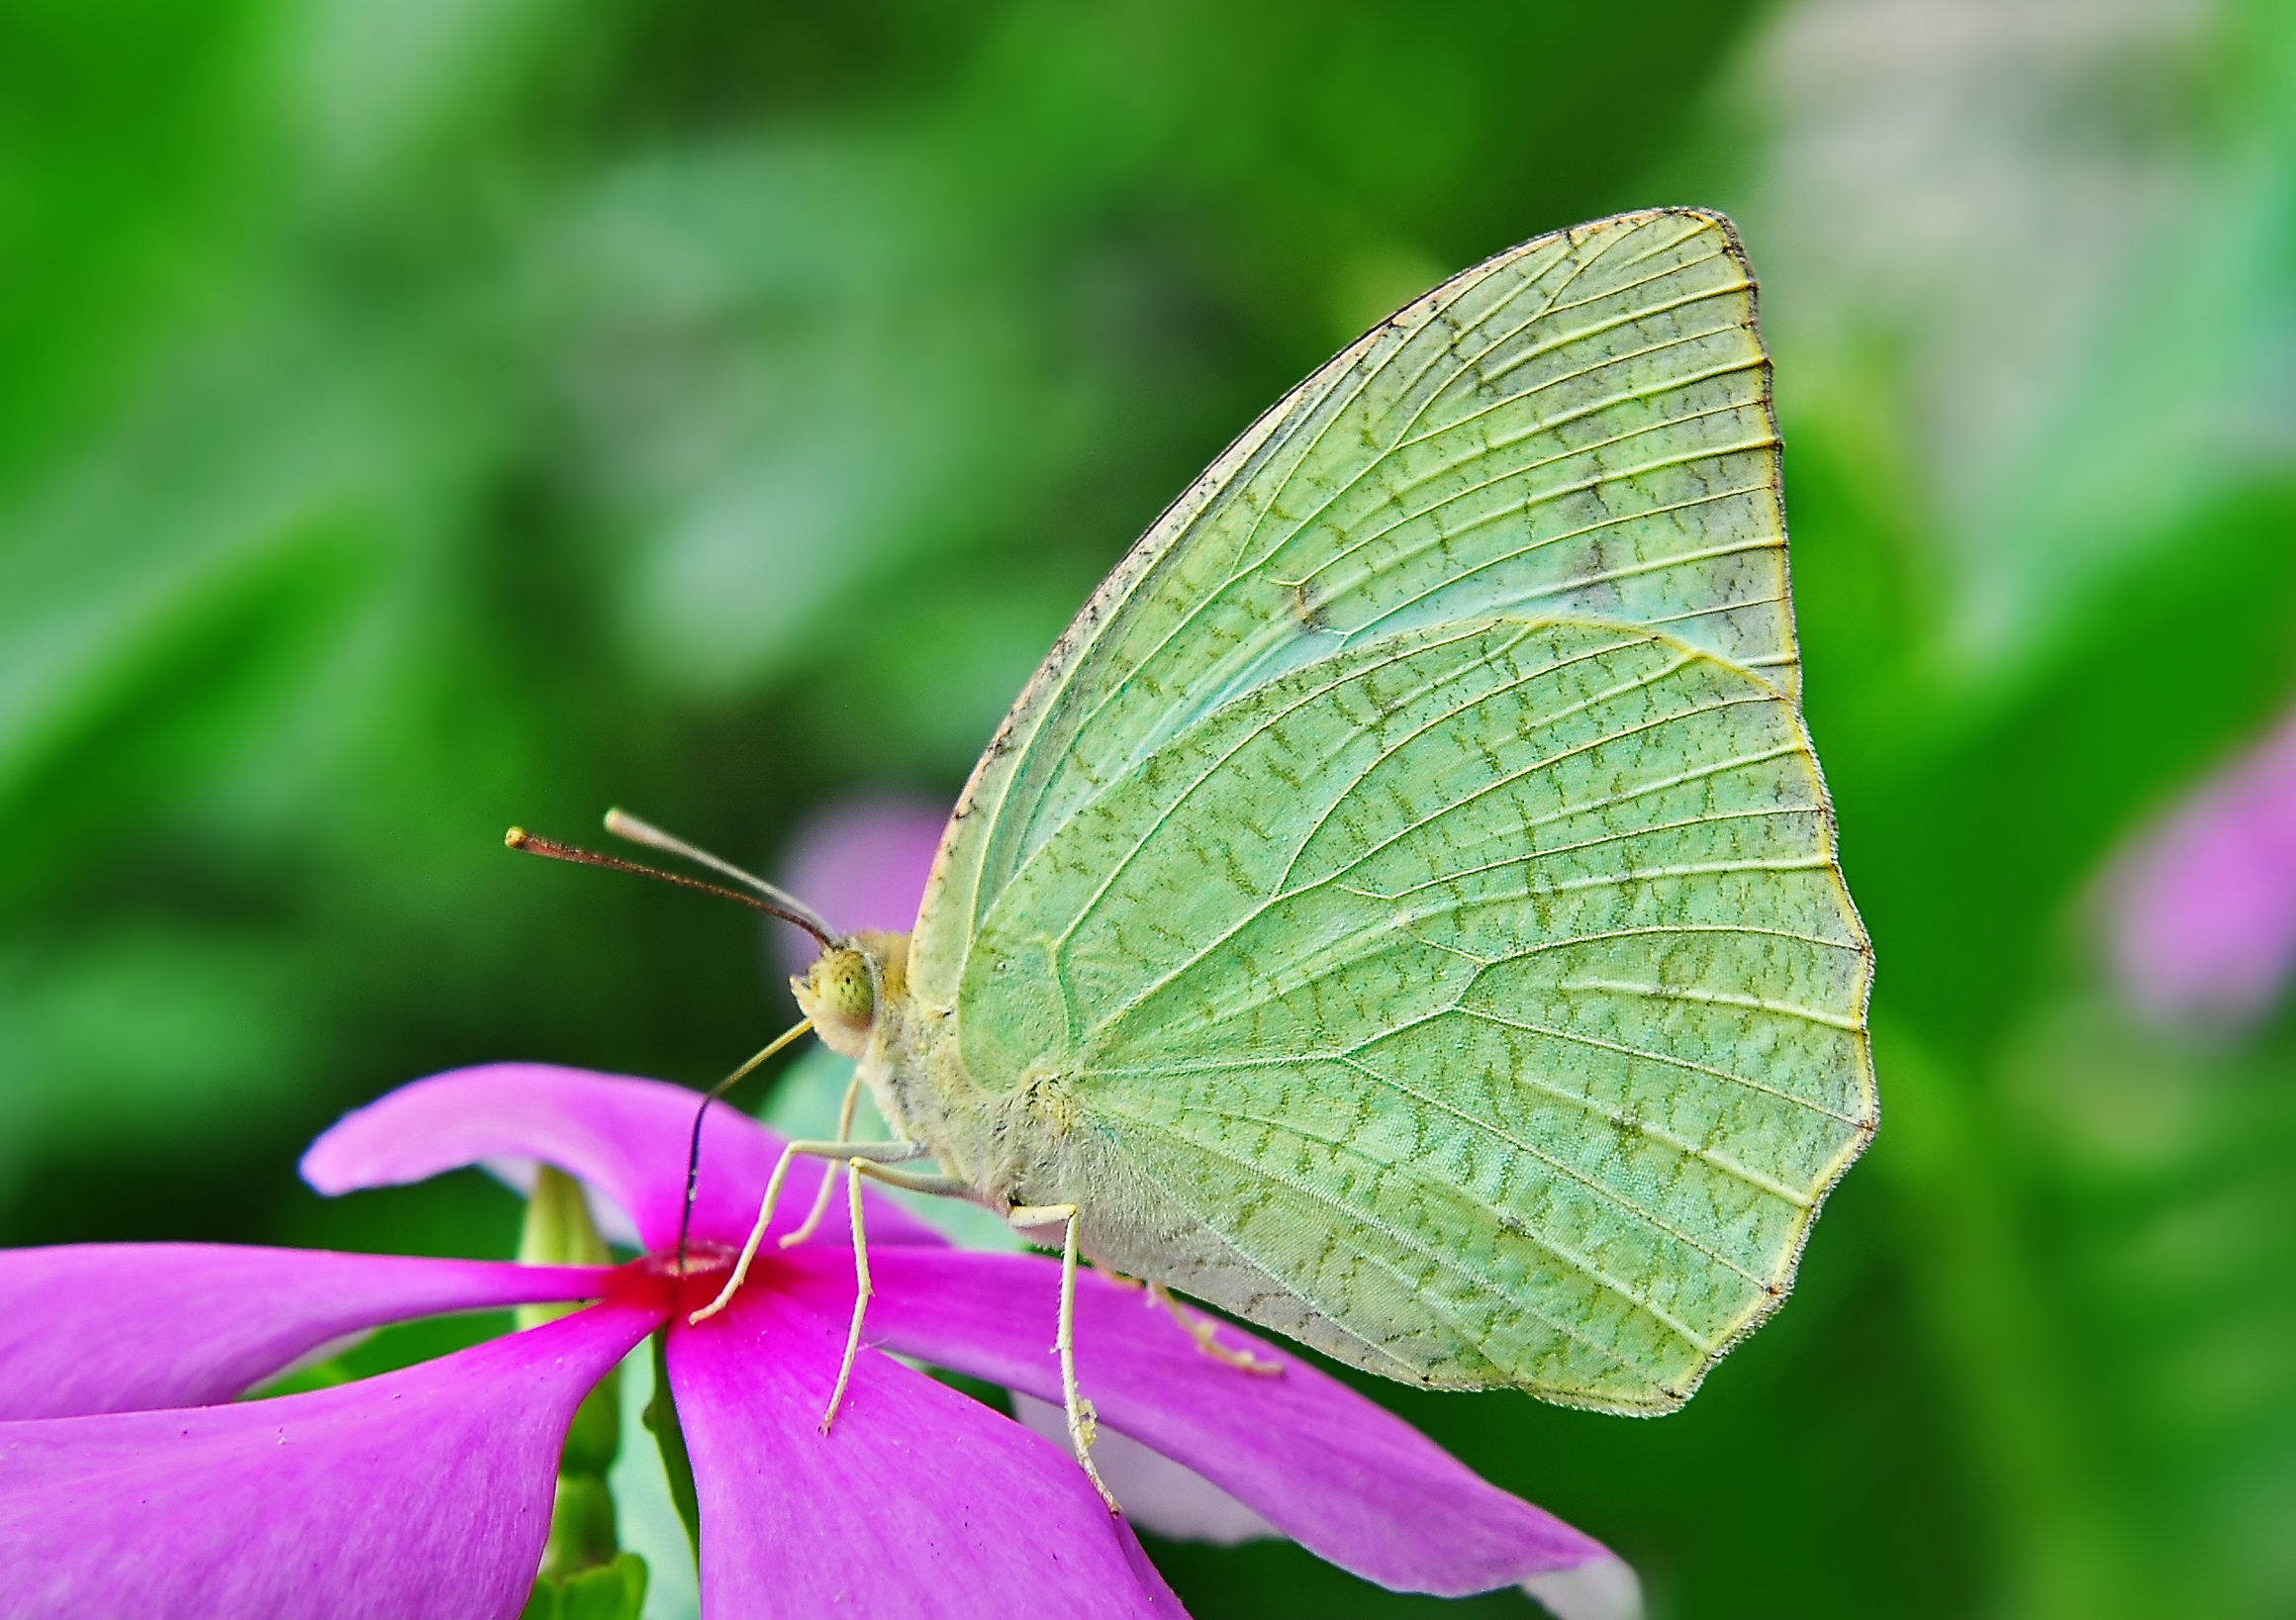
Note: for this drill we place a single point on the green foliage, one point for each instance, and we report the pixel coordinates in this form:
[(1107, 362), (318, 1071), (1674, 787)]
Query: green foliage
[(609, 1591), (421, 420)]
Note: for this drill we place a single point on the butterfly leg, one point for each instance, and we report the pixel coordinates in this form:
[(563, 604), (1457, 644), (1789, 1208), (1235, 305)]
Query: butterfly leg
[(861, 1291), (855, 1169), (1082, 1422), (1200, 1329), (813, 1221), (1122, 1280), (882, 1152)]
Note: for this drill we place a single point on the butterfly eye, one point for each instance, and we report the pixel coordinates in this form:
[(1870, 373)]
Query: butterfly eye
[(838, 990)]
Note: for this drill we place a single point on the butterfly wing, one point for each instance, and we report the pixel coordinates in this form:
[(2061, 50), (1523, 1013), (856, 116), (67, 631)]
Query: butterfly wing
[(1490, 986), (1410, 867), (1582, 424)]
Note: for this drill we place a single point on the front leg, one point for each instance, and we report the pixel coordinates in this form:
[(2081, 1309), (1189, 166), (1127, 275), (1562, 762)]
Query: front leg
[(877, 1152), (855, 1169), (805, 1228)]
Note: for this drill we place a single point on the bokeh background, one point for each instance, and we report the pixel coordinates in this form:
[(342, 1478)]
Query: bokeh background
[(419, 415)]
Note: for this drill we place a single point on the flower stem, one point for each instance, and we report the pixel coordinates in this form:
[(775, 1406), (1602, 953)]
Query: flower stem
[(584, 1570), (662, 1416)]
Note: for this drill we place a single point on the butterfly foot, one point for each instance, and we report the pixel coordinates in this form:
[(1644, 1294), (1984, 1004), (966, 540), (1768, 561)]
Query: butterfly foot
[(1207, 1341), (1084, 1427), (724, 1298)]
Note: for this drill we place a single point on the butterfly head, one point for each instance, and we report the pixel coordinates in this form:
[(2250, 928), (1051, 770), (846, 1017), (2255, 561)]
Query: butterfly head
[(841, 992)]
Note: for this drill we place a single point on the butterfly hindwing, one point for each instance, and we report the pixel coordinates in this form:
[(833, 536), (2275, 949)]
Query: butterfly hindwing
[(1488, 985)]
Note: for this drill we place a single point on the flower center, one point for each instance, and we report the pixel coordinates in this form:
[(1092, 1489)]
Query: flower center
[(702, 1260), (663, 1284)]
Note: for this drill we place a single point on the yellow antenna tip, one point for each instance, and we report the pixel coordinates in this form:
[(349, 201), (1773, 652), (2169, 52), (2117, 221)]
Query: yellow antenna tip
[(516, 839)]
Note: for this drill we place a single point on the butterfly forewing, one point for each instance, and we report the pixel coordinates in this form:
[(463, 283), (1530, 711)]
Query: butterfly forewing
[(1578, 426), (1489, 984)]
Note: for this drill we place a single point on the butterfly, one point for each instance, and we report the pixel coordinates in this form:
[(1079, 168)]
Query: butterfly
[(1404, 910)]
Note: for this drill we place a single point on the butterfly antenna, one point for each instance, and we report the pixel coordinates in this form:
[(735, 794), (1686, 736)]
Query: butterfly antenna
[(693, 1146), (802, 917), (622, 824)]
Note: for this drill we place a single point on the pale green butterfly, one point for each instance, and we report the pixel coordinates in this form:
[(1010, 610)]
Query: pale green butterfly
[(1402, 911)]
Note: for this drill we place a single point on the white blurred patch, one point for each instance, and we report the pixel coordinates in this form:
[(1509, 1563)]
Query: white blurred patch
[(2007, 232), (1159, 1495), (1607, 1589)]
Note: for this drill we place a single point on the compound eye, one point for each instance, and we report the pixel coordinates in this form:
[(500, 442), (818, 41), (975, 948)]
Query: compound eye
[(841, 989)]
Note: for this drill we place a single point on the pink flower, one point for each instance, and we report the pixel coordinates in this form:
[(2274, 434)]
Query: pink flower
[(2204, 913), (131, 1483)]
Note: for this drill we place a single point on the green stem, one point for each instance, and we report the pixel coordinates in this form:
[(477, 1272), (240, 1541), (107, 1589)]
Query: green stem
[(662, 1416), (585, 1576)]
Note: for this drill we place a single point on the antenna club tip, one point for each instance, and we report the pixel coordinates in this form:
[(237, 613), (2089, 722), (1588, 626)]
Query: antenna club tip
[(516, 839), (622, 824)]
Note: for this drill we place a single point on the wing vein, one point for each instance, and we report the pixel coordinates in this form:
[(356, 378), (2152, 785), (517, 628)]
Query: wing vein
[(1490, 449), (1441, 1259), (1577, 1038), (1543, 496), (1338, 678), (1550, 760), (1595, 1185), (1714, 998), (1282, 892), (1612, 802), (1679, 341), (1283, 888)]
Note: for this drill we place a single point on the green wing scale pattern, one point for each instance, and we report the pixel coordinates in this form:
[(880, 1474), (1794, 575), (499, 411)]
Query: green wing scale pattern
[(1580, 426), (1411, 862), (1519, 1042)]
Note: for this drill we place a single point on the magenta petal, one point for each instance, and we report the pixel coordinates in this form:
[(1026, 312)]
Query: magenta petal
[(422, 1493), (1336, 1473), (1159, 1496), (921, 1502), (125, 1327), (626, 1137)]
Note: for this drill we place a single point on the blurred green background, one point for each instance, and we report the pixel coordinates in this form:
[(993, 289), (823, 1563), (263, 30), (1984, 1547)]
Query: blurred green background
[(419, 415)]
